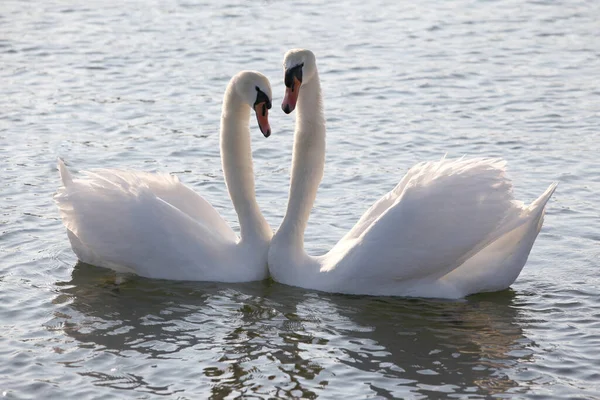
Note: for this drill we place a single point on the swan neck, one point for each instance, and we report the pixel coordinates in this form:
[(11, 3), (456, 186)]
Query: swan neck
[(308, 162), (236, 156)]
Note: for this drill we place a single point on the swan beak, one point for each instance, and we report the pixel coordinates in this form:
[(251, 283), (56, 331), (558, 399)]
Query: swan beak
[(262, 115), (291, 96)]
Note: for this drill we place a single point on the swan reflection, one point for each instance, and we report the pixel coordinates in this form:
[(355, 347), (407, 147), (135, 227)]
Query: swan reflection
[(263, 338)]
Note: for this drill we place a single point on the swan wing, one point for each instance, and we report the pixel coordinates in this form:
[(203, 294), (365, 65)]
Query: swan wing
[(379, 207), (170, 189), (149, 224), (497, 265), (435, 217)]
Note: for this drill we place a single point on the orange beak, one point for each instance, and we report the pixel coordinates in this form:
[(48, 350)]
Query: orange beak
[(262, 115), (291, 97)]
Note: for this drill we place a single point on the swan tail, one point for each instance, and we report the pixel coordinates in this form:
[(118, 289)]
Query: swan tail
[(537, 209), (499, 264), (65, 175), (541, 201)]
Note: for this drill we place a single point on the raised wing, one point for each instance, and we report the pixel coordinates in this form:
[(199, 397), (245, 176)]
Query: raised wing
[(377, 209), (438, 214)]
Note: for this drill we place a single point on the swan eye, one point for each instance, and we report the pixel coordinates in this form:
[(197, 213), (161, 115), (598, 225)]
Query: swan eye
[(290, 74), (261, 97)]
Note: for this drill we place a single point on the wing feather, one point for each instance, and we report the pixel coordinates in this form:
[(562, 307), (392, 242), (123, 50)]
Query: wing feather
[(170, 189), (110, 211), (439, 212)]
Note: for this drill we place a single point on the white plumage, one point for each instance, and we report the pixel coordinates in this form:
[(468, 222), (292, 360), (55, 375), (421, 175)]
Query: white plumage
[(450, 228), (155, 226)]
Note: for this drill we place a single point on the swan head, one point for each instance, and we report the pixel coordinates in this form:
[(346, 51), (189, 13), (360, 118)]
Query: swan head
[(299, 66), (255, 89)]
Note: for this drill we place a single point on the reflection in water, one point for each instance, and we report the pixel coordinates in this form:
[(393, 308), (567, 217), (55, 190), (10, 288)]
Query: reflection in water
[(268, 339)]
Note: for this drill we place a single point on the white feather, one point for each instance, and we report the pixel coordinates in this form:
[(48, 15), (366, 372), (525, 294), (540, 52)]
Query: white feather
[(155, 226), (450, 228)]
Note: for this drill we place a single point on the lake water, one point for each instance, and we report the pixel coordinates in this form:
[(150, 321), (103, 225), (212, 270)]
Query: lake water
[(139, 85)]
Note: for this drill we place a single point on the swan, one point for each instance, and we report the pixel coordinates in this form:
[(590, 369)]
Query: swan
[(155, 226), (450, 228)]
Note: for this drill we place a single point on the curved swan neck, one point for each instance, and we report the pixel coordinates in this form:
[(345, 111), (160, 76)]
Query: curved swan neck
[(308, 162), (236, 157)]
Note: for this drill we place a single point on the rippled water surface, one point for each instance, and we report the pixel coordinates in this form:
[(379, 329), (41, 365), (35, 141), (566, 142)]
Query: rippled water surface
[(139, 85)]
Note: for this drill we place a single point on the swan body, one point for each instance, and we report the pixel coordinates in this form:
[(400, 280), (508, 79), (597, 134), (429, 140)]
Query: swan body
[(450, 228), (153, 225)]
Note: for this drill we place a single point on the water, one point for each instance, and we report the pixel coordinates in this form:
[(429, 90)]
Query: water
[(139, 85)]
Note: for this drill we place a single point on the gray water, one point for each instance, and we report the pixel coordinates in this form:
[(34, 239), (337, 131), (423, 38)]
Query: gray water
[(139, 85)]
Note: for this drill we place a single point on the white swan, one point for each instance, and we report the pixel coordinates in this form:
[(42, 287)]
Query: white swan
[(154, 226), (450, 228)]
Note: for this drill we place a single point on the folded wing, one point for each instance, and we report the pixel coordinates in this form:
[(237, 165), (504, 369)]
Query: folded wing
[(150, 224)]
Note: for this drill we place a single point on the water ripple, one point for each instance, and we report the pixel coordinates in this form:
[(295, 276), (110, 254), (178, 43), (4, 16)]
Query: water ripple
[(140, 86)]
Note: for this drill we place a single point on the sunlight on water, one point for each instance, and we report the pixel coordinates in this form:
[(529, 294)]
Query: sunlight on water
[(140, 85)]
